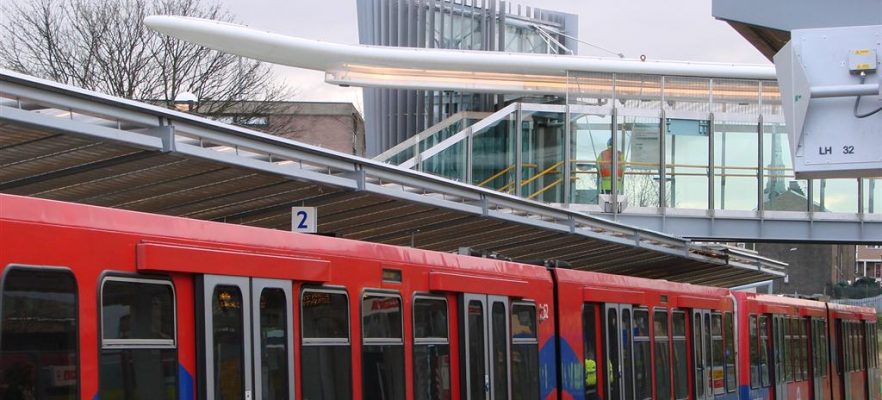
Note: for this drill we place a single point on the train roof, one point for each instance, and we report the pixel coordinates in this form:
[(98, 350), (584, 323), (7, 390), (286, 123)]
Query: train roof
[(50, 212), (630, 282)]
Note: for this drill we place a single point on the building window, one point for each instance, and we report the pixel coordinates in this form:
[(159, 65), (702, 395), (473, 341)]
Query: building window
[(37, 358), (139, 357)]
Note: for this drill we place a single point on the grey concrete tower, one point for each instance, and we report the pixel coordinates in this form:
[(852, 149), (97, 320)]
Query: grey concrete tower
[(392, 115)]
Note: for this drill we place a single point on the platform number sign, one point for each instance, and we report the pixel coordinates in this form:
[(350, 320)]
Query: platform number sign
[(303, 219)]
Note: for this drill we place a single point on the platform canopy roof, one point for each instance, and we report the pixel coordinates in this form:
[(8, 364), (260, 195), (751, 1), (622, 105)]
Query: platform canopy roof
[(65, 143)]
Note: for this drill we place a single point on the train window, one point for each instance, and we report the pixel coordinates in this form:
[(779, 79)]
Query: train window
[(662, 355), (717, 371), (589, 326), (642, 356), (227, 337), (788, 350), (764, 370), (382, 354), (273, 341), (753, 340), (325, 358), (499, 350), (729, 339), (476, 348), (431, 349), (681, 383), (803, 349), (825, 352), (524, 352), (39, 358), (139, 357)]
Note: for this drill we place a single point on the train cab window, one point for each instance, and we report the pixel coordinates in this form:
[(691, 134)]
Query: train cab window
[(431, 349), (524, 352), (642, 355), (681, 379), (718, 371), (764, 355), (39, 360), (589, 327), (325, 358), (662, 355), (729, 340), (139, 357), (382, 352), (753, 338)]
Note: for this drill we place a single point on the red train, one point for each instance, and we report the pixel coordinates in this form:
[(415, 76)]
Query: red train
[(108, 304)]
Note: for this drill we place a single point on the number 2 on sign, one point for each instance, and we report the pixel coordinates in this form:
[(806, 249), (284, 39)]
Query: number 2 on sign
[(302, 223)]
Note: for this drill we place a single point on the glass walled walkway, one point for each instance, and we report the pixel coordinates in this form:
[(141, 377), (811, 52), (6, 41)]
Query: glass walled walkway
[(697, 157)]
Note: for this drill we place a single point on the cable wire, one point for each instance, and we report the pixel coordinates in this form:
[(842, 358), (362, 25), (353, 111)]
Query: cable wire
[(857, 102)]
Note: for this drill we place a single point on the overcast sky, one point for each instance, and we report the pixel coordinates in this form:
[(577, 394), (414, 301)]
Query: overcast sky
[(671, 30)]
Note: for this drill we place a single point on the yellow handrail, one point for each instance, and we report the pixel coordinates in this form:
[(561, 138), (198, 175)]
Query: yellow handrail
[(496, 175), (544, 189)]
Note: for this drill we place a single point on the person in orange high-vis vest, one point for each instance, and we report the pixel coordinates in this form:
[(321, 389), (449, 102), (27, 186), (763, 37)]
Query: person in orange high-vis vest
[(604, 164)]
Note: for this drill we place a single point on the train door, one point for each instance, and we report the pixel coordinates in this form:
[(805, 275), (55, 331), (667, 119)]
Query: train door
[(485, 344), (246, 328), (618, 344), (701, 354)]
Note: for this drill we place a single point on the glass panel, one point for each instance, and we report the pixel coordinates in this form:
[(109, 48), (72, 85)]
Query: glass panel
[(642, 355), (729, 338), (788, 353), (325, 315), (589, 327), (381, 317), (736, 156), (681, 383), (754, 352), (493, 155), (431, 365), (872, 195), (686, 147), (525, 371), (228, 339), (138, 374), (626, 354), (326, 372), (662, 355), (477, 372), (825, 358), (640, 156), (382, 370), (500, 351), (523, 321), (274, 344), (781, 190), (134, 310), (612, 345), (542, 135), (29, 350), (836, 195), (718, 372), (764, 370), (449, 163), (430, 318), (590, 134), (700, 375), (706, 352)]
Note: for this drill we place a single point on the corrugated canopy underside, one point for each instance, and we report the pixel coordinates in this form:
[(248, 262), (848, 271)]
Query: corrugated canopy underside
[(67, 144)]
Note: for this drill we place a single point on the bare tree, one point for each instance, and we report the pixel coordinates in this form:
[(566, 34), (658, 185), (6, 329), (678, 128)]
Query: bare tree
[(103, 45)]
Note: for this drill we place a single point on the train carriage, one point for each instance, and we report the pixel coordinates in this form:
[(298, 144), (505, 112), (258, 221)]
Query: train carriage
[(108, 304)]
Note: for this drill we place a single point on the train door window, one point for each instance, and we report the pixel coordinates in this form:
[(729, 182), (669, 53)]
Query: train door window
[(803, 349), (753, 338), (825, 352), (273, 342), (627, 353), (777, 345), (499, 350), (764, 369), (698, 357), (718, 371), (139, 357), (382, 351), (431, 349), (589, 326), (729, 341), (524, 352), (788, 350), (642, 355), (662, 355), (816, 348), (326, 364), (681, 379), (39, 360)]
